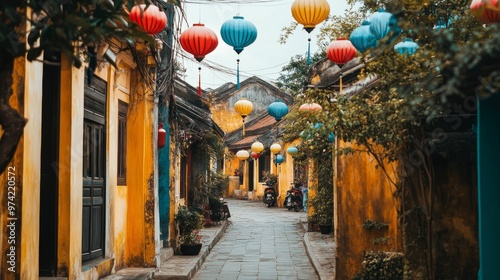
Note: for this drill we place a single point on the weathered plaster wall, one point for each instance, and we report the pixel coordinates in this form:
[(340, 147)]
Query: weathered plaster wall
[(140, 250), (362, 192), (19, 191), (70, 171)]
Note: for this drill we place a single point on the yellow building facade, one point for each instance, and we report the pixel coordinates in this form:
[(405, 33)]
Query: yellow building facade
[(84, 202)]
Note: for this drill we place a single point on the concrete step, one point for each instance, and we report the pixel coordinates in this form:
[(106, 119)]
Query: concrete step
[(132, 273)]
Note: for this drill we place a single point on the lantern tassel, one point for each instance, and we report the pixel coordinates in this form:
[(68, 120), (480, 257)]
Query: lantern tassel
[(243, 131), (309, 51), (238, 75), (340, 82), (199, 81)]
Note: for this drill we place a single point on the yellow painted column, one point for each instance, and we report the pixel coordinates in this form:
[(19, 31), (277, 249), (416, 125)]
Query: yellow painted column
[(70, 171), (31, 170), (140, 242), (312, 184)]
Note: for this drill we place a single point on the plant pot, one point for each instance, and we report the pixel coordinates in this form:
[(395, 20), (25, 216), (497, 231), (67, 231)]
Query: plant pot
[(325, 229), (190, 249)]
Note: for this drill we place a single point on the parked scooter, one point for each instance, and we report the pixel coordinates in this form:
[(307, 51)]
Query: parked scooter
[(293, 199), (269, 196)]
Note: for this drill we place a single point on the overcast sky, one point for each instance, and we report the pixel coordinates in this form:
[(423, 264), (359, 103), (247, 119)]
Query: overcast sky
[(265, 57)]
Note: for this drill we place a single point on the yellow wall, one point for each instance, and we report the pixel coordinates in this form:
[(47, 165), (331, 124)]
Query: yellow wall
[(362, 192), (226, 118)]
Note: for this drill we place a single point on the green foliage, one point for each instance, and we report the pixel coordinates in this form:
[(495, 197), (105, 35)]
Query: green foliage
[(382, 265), (190, 222), (60, 27), (206, 187), (323, 205), (371, 224), (269, 178)]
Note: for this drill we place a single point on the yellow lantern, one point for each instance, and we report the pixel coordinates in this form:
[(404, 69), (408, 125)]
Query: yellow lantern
[(242, 154), (310, 12), (243, 107), (275, 148), (257, 146)]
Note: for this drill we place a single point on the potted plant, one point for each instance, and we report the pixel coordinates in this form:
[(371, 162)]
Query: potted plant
[(323, 206), (189, 222)]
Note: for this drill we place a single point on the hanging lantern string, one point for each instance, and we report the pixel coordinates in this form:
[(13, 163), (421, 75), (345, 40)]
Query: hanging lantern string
[(309, 50), (238, 73), (199, 81)]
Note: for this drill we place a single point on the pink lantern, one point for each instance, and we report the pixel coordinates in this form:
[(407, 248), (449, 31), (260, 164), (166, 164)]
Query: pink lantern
[(486, 11), (310, 107)]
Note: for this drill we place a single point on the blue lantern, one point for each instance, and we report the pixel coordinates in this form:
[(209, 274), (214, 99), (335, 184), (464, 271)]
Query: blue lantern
[(280, 159), (331, 137), (362, 38), (382, 23), (277, 109), (238, 33), (292, 150), (407, 47)]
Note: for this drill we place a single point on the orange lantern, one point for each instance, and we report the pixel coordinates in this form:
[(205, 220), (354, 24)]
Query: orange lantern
[(150, 18), (341, 51)]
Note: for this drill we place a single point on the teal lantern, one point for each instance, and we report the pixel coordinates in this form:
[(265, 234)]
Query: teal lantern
[(407, 47), (238, 33), (292, 150), (277, 109), (279, 159), (362, 39), (383, 23), (331, 137)]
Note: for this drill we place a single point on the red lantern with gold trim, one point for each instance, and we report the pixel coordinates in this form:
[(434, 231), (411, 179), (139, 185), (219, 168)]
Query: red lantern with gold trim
[(150, 18)]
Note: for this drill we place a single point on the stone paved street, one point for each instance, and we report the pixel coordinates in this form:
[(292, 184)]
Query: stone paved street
[(260, 243)]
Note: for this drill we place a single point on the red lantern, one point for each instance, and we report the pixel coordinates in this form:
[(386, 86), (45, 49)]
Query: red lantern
[(255, 155), (199, 41), (151, 19), (341, 51), (162, 136), (485, 11)]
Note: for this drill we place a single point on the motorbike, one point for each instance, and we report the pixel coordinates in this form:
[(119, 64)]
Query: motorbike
[(293, 199), (269, 196)]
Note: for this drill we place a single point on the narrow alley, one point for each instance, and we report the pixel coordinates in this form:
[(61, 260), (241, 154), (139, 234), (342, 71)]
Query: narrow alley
[(259, 243)]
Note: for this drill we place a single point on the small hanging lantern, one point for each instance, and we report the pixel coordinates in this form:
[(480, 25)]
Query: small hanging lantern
[(162, 136), (407, 47), (257, 147), (277, 109), (310, 107), (292, 150), (486, 11), (255, 155), (341, 51), (310, 13), (279, 159), (243, 107), (242, 154), (150, 18), (238, 33), (383, 23), (331, 137), (362, 38), (275, 148)]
